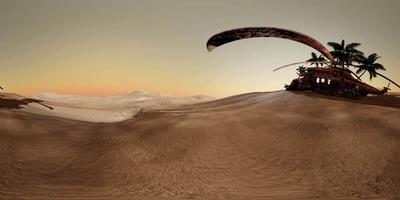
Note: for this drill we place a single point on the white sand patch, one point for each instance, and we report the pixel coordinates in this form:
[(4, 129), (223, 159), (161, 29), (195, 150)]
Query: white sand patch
[(84, 114), (107, 108)]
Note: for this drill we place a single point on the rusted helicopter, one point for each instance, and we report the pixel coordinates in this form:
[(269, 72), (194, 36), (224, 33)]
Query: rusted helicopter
[(334, 81), (333, 78)]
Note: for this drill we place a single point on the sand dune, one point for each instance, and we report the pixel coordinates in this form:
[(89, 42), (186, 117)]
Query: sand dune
[(251, 146), (396, 94), (120, 101), (106, 108)]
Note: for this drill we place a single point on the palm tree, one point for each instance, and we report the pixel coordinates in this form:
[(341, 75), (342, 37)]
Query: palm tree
[(345, 54), (316, 60), (368, 64), (301, 70)]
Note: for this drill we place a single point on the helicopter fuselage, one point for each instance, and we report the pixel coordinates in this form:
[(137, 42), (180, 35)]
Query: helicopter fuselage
[(333, 80)]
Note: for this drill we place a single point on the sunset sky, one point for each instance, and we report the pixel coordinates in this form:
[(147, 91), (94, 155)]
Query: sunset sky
[(102, 47)]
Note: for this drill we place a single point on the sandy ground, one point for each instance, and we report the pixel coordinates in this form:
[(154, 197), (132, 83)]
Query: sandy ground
[(113, 108), (397, 94), (278, 145)]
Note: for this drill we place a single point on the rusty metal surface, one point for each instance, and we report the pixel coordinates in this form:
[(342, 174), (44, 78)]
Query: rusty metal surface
[(254, 32), (344, 75)]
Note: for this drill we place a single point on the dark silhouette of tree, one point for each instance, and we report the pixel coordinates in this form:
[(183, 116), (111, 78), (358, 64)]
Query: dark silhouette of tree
[(344, 54), (301, 70), (316, 60), (369, 64)]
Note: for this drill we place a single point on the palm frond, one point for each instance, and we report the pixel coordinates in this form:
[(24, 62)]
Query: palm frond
[(335, 46), (313, 55), (352, 45), (359, 70), (379, 66)]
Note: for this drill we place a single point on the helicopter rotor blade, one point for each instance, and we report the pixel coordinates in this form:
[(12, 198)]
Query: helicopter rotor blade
[(297, 63), (257, 32)]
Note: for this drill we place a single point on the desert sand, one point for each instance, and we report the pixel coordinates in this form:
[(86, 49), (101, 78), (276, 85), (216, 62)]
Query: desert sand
[(278, 145), (104, 108)]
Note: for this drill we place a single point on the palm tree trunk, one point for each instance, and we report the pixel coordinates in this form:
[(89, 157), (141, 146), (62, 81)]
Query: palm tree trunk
[(358, 77), (388, 79), (362, 74)]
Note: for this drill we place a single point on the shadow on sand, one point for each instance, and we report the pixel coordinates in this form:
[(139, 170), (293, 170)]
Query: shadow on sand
[(384, 100), (18, 103)]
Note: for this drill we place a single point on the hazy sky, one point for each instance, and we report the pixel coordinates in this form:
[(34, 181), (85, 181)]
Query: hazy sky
[(105, 47)]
